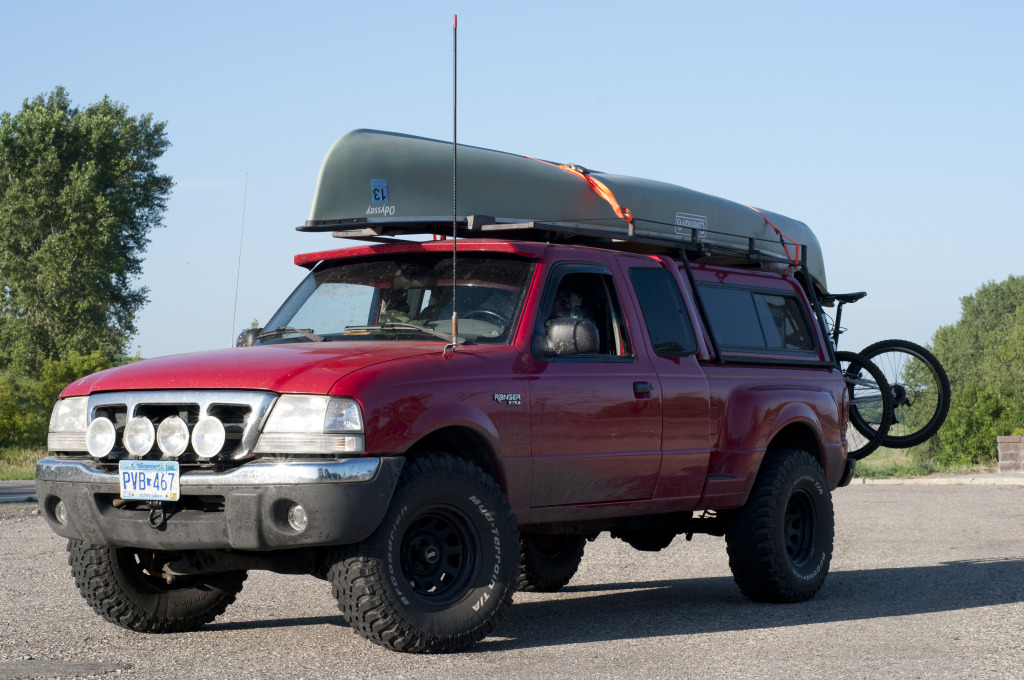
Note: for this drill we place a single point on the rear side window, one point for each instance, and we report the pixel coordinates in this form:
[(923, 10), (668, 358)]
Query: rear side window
[(664, 312), (750, 320)]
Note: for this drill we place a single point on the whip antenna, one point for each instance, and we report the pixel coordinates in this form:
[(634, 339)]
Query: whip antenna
[(455, 174), (238, 271)]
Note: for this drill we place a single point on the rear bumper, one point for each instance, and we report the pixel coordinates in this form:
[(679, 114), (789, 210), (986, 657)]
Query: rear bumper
[(344, 502)]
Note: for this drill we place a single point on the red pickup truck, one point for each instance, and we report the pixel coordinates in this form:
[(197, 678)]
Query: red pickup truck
[(428, 475)]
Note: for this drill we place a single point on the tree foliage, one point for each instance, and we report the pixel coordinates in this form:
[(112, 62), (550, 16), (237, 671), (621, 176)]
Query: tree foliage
[(79, 194), (25, 403), (983, 354)]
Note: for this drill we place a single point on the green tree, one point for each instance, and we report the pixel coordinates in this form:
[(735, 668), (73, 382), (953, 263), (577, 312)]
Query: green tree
[(79, 194), (983, 354), (25, 403)]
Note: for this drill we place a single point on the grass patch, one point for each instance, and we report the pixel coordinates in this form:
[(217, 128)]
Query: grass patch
[(885, 463), (19, 463)]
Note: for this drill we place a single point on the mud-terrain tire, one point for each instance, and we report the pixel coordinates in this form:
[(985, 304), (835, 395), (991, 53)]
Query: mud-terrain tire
[(549, 561), (780, 542), (118, 585), (439, 572)]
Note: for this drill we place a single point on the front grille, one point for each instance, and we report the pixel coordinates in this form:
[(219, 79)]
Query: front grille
[(241, 413)]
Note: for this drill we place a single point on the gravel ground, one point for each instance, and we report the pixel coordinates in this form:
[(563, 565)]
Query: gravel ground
[(926, 582)]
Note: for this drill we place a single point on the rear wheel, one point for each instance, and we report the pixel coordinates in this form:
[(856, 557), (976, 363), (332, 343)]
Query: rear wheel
[(126, 586), (439, 572), (780, 542), (550, 561), (919, 386)]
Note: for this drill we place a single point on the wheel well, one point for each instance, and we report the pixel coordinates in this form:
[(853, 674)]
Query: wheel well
[(797, 436), (463, 443)]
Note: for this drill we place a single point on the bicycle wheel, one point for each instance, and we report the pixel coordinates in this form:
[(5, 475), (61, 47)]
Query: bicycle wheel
[(920, 390), (871, 405)]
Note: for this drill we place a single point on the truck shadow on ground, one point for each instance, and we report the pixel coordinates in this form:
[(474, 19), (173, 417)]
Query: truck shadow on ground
[(338, 620), (618, 611), (628, 610)]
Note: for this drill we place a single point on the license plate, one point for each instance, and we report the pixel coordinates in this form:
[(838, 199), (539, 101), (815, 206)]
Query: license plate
[(149, 480)]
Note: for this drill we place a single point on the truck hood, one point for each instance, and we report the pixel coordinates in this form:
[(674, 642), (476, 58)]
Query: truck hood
[(302, 367)]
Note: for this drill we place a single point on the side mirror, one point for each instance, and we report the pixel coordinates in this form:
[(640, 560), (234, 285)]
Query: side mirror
[(568, 337), (247, 337)]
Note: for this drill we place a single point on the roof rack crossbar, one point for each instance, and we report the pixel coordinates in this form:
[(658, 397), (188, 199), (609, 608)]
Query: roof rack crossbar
[(386, 230)]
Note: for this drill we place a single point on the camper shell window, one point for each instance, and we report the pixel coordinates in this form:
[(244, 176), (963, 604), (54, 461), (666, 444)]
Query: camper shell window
[(758, 320)]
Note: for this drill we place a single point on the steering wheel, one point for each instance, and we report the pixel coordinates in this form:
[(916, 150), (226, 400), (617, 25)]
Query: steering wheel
[(488, 315)]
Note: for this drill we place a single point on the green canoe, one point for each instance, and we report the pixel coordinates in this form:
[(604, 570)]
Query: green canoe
[(374, 182)]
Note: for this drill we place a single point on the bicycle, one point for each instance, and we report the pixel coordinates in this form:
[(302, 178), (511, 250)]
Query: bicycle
[(914, 379)]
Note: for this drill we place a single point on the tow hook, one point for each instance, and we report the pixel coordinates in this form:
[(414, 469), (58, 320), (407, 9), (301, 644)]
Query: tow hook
[(157, 521)]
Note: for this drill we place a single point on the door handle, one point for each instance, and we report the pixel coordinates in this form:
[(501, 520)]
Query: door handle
[(641, 389)]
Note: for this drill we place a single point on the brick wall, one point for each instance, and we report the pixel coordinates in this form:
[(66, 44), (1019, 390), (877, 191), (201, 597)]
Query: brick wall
[(1011, 454)]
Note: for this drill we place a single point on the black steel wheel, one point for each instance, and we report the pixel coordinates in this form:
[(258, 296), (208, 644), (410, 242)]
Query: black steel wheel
[(440, 554), (780, 541), (920, 389), (439, 572)]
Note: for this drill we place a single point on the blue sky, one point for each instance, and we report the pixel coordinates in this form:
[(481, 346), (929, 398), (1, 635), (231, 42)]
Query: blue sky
[(893, 129)]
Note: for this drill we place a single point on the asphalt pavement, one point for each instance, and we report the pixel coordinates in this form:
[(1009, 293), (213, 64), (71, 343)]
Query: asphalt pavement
[(17, 491), (926, 581)]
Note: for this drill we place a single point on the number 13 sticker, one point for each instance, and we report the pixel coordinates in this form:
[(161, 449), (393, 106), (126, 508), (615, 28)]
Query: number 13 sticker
[(379, 190)]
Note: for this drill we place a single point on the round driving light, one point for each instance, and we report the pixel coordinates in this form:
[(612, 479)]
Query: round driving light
[(100, 437), (172, 436), (208, 437), (60, 511), (139, 436), (297, 517)]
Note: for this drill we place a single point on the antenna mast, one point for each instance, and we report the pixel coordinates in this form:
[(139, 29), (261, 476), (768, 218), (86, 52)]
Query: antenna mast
[(238, 271), (455, 240)]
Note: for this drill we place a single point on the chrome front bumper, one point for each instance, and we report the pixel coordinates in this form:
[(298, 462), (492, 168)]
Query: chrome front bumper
[(343, 499)]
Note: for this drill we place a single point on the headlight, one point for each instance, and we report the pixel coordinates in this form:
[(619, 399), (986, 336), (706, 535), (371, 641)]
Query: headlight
[(68, 425), (69, 415), (311, 424)]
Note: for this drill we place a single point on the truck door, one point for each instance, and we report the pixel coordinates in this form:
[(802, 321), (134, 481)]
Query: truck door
[(685, 395), (597, 414)]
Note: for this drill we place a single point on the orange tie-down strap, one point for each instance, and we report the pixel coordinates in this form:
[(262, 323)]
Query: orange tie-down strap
[(782, 238), (599, 187)]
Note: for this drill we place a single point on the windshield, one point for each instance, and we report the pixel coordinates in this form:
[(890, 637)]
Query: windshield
[(404, 297)]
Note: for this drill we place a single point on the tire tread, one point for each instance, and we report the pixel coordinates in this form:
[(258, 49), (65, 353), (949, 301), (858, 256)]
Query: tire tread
[(751, 540), (356, 579), (93, 568)]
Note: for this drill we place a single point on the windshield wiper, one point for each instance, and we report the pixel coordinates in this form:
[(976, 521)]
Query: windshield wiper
[(405, 327), (305, 332)]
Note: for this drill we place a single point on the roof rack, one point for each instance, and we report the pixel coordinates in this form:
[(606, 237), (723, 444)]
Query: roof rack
[(632, 239)]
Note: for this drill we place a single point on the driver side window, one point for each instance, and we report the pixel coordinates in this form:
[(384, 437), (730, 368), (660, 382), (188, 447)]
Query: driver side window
[(590, 296)]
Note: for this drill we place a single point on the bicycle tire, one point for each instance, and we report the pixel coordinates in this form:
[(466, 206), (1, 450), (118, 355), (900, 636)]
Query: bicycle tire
[(921, 393), (871, 404)]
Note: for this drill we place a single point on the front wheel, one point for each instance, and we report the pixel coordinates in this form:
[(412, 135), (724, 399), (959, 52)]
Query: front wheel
[(871, 404), (439, 572), (127, 586), (920, 390), (780, 542)]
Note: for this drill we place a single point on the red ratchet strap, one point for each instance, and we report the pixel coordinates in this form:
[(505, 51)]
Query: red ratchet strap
[(796, 260), (597, 186)]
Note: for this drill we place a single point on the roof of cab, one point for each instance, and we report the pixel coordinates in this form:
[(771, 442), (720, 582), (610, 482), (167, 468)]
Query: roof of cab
[(521, 248)]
